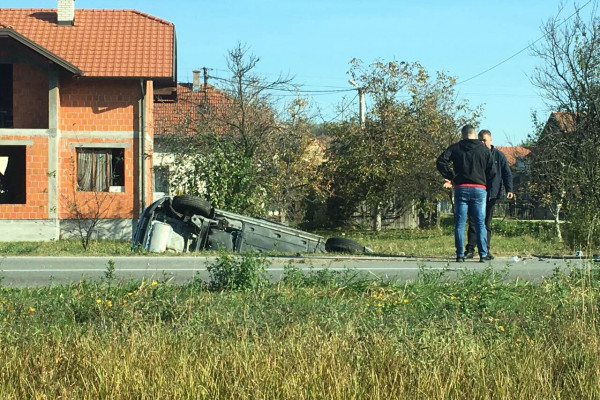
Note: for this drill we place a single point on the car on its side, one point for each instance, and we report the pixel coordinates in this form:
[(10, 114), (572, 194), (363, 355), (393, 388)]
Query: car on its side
[(187, 223)]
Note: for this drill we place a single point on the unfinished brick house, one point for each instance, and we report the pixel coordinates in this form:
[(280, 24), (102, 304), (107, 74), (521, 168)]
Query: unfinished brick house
[(76, 116)]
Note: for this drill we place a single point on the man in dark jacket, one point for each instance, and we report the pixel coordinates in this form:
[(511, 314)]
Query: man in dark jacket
[(469, 166), (503, 177)]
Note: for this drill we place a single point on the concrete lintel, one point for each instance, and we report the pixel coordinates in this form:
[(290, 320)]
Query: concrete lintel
[(26, 132), (81, 135), (16, 142), (104, 145)]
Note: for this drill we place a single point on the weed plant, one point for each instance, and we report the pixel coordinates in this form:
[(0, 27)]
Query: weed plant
[(319, 334)]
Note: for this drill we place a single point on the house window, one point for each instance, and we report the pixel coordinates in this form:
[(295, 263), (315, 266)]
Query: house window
[(161, 180), (12, 175), (100, 170), (6, 96)]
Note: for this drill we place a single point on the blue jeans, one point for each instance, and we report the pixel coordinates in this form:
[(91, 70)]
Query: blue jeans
[(470, 201)]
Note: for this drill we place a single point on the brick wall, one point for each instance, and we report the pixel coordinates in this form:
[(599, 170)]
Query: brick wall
[(99, 105), (30, 97), (90, 111), (36, 159), (88, 108), (93, 204)]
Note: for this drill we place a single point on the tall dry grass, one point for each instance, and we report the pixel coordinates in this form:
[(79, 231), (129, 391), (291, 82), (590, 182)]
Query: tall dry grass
[(321, 336), (308, 363)]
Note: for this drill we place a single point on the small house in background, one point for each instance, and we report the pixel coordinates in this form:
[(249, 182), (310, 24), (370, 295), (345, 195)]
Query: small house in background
[(518, 158), (179, 115), (560, 121), (76, 116), (517, 161)]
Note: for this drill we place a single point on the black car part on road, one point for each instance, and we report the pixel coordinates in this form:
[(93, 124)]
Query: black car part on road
[(343, 245)]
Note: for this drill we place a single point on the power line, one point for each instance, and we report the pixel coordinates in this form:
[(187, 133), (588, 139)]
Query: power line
[(342, 111), (281, 89), (523, 49)]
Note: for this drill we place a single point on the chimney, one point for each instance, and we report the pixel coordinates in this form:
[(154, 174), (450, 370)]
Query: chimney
[(196, 81), (66, 12)]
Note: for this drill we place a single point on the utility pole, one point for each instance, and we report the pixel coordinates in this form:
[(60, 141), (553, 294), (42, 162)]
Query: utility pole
[(361, 99), (205, 72)]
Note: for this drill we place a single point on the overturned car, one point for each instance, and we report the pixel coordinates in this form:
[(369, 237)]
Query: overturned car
[(188, 223)]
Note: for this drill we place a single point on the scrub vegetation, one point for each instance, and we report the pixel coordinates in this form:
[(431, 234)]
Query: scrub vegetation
[(322, 334)]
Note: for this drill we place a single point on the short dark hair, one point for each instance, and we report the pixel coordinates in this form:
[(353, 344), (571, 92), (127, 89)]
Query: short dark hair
[(484, 132), (466, 130)]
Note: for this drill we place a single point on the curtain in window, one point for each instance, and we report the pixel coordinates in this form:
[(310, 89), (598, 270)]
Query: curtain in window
[(103, 170), (84, 169), (94, 169)]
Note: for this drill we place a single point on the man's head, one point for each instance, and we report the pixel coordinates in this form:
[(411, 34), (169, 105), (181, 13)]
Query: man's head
[(486, 137), (468, 132)]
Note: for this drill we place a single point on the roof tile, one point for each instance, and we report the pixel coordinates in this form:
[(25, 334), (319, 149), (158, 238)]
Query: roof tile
[(170, 116), (513, 153), (103, 43)]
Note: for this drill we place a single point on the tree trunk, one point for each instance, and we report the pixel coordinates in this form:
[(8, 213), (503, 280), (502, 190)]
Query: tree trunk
[(377, 218), (282, 215), (557, 222), (557, 217)]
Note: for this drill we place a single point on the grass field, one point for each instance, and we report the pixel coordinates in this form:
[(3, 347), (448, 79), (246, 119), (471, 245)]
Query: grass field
[(320, 335), (522, 238), (324, 335)]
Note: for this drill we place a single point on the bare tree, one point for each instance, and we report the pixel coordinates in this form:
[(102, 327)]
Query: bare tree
[(88, 209), (566, 166), (244, 147)]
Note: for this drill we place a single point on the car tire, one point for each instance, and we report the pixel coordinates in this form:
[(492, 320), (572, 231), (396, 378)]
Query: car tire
[(191, 205), (343, 245)]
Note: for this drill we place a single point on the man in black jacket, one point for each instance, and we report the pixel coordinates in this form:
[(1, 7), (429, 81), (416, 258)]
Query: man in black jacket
[(469, 167), (503, 177)]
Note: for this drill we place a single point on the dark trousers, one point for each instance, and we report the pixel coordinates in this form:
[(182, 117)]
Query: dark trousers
[(472, 234)]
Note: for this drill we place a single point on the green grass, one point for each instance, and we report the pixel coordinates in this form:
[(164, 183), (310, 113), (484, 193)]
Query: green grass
[(522, 238), (66, 248), (510, 237), (325, 335)]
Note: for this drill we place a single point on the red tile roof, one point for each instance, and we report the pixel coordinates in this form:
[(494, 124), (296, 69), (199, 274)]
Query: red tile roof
[(170, 116), (101, 43), (565, 120), (512, 153)]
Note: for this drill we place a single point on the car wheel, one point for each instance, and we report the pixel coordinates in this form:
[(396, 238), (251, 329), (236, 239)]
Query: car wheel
[(343, 245), (191, 205)]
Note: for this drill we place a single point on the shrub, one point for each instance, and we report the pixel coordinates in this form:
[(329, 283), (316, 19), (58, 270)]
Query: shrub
[(232, 272)]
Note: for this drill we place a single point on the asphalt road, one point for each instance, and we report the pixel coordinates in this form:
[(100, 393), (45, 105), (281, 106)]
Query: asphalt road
[(41, 271)]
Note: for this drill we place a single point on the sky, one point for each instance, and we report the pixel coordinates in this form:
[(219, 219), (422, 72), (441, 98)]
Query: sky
[(483, 43)]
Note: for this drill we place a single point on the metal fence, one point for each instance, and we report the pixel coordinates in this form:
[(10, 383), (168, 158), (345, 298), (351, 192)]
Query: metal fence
[(517, 209)]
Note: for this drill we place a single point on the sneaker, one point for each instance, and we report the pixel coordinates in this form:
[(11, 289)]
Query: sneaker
[(460, 259), (469, 254), (489, 257)]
